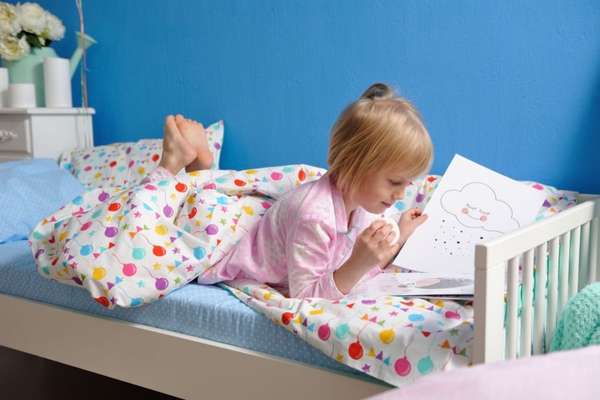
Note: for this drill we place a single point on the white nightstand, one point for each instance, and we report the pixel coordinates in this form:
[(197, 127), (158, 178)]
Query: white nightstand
[(43, 132)]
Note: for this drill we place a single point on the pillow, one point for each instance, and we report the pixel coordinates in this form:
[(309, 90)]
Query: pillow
[(29, 191), (126, 164)]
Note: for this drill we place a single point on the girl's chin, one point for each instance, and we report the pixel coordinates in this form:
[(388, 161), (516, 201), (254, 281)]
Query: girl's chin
[(376, 208)]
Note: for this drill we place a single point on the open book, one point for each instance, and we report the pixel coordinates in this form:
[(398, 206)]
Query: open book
[(417, 284), (471, 204)]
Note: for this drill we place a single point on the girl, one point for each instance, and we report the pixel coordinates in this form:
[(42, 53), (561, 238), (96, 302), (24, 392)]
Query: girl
[(318, 240)]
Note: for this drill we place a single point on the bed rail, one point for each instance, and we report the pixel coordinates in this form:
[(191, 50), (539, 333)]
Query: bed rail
[(556, 257)]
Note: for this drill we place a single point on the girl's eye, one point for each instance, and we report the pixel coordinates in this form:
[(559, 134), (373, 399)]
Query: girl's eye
[(471, 207), (484, 212), (396, 183)]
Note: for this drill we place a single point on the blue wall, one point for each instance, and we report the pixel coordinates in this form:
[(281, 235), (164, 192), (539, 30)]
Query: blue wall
[(512, 85)]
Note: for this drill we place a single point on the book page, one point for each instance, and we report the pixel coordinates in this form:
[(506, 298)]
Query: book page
[(471, 205), (416, 284)]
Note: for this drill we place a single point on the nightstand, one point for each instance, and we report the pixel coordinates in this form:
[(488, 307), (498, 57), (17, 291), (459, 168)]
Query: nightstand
[(43, 132)]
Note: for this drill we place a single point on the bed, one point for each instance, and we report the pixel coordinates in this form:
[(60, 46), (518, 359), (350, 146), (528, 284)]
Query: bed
[(36, 311), (162, 347)]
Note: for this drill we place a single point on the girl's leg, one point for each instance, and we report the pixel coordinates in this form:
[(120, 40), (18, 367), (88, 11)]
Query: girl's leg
[(125, 249)]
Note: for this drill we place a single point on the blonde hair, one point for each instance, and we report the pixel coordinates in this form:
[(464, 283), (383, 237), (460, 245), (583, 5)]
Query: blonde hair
[(379, 130)]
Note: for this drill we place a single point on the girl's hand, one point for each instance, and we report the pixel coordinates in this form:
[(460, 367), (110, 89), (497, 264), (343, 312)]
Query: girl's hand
[(409, 221), (372, 246)]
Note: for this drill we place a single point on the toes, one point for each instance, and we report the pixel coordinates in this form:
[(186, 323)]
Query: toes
[(183, 124), (170, 124), (195, 123)]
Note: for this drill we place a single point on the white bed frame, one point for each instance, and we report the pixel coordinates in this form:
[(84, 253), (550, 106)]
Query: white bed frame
[(190, 367)]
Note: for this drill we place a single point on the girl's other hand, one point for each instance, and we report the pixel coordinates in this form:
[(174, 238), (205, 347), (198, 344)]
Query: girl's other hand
[(409, 221)]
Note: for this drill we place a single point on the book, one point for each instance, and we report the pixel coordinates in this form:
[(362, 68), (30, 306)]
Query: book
[(472, 204), (418, 284)]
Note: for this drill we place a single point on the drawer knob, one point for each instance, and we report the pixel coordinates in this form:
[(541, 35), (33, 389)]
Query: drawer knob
[(5, 136)]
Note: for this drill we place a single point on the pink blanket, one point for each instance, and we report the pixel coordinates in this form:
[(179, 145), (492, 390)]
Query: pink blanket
[(563, 375)]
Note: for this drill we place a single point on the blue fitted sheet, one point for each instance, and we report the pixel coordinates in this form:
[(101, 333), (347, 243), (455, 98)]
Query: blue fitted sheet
[(207, 312)]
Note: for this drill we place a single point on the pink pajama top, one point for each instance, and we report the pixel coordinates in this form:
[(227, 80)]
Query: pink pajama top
[(299, 242)]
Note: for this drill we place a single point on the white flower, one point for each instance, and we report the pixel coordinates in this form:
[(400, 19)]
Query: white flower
[(9, 23), (55, 30), (12, 48), (32, 17)]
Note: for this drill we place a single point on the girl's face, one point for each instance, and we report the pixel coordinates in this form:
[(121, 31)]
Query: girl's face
[(380, 190)]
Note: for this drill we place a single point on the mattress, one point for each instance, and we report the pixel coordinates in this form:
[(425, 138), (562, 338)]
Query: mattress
[(208, 312)]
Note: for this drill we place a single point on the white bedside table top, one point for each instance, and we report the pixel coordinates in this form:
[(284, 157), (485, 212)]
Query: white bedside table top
[(48, 111)]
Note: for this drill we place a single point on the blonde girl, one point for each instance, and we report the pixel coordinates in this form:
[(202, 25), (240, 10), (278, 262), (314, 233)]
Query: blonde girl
[(322, 238)]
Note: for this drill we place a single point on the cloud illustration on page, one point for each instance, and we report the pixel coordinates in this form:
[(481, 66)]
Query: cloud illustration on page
[(476, 205)]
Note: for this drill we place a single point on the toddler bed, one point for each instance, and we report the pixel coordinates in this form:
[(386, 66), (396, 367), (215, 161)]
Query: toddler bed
[(188, 364), (195, 311)]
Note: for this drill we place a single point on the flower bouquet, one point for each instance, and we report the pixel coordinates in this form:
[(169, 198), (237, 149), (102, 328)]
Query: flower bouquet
[(25, 26)]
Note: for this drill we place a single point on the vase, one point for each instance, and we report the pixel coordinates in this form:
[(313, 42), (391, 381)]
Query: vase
[(30, 69)]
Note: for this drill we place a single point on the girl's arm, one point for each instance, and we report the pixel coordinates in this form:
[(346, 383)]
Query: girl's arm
[(308, 257)]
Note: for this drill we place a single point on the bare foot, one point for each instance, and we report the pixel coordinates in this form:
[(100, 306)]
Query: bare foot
[(193, 132), (177, 152)]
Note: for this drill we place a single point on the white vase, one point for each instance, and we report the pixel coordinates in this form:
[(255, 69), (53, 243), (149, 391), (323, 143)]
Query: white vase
[(57, 83), (21, 95), (3, 87)]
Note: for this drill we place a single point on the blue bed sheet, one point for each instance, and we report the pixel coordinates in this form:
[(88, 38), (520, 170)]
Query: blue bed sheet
[(207, 312)]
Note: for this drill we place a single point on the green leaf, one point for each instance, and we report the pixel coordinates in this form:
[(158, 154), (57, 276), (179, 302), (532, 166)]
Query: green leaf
[(33, 40)]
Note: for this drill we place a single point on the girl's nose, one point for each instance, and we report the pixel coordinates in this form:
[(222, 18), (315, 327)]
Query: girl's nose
[(398, 195)]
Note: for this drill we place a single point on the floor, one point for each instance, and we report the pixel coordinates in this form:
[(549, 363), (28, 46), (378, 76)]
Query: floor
[(24, 376)]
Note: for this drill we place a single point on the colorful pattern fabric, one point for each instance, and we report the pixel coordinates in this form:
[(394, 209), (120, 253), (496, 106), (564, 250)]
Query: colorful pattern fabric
[(390, 338), (130, 247), (126, 164)]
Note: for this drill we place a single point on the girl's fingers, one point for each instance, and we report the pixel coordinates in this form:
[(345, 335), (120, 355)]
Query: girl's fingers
[(386, 240), (383, 231), (415, 212), (372, 229), (377, 224), (369, 231), (422, 218), (379, 236)]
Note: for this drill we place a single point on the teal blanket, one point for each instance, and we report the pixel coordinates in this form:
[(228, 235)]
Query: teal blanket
[(579, 323)]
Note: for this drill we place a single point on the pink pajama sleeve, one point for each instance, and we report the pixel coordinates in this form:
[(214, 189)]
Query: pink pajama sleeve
[(310, 273)]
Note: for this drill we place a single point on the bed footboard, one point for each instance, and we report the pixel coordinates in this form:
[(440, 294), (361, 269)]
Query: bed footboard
[(554, 259)]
